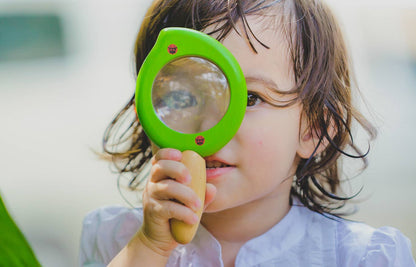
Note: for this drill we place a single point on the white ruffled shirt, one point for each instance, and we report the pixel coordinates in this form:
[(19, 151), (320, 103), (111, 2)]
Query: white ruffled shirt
[(301, 238)]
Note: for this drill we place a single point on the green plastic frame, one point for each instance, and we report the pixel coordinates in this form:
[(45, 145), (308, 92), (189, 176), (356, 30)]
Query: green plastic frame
[(174, 43)]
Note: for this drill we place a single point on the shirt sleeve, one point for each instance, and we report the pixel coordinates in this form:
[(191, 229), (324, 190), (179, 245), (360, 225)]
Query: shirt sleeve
[(105, 232), (388, 247)]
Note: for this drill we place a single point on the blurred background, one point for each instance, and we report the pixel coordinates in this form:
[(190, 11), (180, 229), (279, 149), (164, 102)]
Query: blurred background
[(66, 68)]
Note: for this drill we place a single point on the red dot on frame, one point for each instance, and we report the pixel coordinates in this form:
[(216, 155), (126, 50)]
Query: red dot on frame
[(172, 49), (200, 140)]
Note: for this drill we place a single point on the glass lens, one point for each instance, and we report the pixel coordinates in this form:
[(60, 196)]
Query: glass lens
[(190, 95)]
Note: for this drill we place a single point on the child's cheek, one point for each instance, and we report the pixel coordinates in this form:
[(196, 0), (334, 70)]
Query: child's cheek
[(258, 135), (258, 142)]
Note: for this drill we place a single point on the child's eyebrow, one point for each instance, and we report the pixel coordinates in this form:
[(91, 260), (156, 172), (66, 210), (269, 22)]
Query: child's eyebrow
[(266, 82)]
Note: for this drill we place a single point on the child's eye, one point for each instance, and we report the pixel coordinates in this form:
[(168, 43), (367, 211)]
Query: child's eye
[(253, 99), (178, 100)]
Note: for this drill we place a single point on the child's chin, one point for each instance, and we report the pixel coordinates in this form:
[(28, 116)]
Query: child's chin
[(212, 208), (216, 206)]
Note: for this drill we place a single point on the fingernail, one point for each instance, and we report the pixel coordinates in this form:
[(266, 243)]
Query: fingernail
[(188, 178), (195, 219), (197, 205)]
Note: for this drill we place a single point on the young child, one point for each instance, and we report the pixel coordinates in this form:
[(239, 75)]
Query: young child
[(274, 189)]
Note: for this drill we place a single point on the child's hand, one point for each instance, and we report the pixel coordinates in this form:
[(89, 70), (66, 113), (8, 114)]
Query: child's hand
[(168, 196)]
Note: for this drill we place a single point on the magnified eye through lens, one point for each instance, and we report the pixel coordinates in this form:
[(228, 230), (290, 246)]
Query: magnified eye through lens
[(190, 95), (178, 100)]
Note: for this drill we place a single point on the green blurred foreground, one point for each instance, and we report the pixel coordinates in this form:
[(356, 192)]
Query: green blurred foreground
[(14, 249)]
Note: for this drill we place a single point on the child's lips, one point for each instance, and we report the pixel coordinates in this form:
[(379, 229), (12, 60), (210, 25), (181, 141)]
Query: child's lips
[(216, 164), (214, 161), (213, 173), (216, 167)]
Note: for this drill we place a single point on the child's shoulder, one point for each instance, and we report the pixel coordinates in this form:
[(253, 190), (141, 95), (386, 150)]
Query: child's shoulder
[(358, 244), (107, 214), (373, 246), (112, 221), (106, 230)]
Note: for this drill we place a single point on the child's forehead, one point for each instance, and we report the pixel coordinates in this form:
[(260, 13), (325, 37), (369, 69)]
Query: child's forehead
[(264, 31), (272, 63), (268, 17)]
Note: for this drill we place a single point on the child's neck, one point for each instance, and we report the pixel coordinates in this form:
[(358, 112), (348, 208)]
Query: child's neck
[(240, 224), (234, 227)]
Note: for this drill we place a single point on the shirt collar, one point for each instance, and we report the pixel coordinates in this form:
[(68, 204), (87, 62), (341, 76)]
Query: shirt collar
[(280, 238)]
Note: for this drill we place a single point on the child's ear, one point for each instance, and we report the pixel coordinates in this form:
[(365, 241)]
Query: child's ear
[(309, 138)]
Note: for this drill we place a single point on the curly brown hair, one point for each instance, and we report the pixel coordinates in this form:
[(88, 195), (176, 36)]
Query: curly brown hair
[(323, 76)]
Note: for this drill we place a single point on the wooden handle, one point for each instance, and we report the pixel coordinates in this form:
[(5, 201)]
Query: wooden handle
[(182, 232)]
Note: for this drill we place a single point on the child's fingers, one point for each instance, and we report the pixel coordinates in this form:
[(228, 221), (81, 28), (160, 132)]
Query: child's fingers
[(171, 190), (167, 210), (211, 190), (159, 197), (169, 169), (167, 154)]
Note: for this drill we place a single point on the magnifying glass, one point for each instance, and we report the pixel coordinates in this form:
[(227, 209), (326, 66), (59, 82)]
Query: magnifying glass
[(191, 95)]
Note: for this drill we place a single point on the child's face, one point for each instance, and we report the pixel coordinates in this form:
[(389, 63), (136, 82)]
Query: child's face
[(263, 154)]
